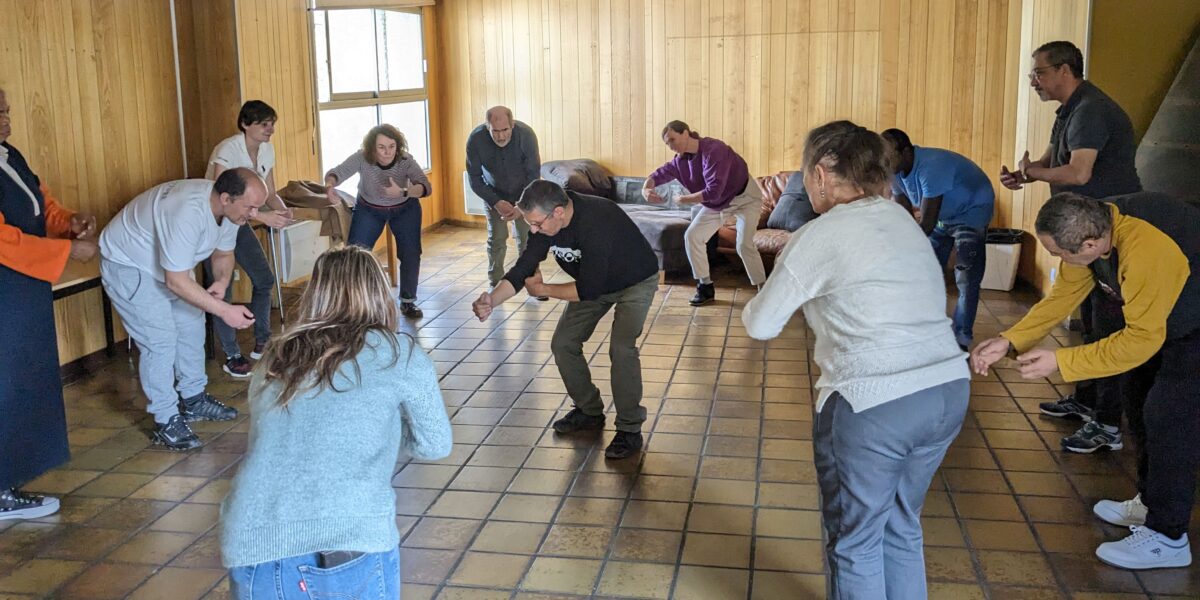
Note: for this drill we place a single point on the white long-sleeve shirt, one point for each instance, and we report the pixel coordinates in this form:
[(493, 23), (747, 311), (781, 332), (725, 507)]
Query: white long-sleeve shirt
[(872, 292)]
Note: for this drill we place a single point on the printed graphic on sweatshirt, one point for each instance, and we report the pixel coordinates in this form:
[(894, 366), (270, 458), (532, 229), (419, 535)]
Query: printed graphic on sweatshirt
[(569, 255)]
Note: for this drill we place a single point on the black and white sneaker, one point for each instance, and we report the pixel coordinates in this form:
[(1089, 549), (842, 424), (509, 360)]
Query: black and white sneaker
[(176, 435), (1092, 437), (237, 366), (15, 504), (409, 310), (1066, 408), (206, 408)]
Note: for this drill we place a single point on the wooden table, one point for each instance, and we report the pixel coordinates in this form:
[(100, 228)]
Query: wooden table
[(80, 277)]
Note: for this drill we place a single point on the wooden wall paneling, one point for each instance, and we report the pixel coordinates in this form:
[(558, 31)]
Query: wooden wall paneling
[(432, 211)]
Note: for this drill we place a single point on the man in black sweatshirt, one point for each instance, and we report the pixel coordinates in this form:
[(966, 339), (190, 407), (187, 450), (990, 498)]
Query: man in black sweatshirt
[(596, 243)]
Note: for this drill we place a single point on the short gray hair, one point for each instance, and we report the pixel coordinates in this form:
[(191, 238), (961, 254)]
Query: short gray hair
[(495, 110), (542, 196), (1071, 219)]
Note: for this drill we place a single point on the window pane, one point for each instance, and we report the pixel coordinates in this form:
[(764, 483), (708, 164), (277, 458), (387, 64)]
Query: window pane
[(321, 50), (342, 131), (400, 53), (411, 118), (351, 49)]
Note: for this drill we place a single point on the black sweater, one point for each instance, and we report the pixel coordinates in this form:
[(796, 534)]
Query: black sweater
[(601, 248)]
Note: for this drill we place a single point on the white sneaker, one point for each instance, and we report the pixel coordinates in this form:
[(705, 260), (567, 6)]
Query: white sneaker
[(1146, 549), (1122, 514)]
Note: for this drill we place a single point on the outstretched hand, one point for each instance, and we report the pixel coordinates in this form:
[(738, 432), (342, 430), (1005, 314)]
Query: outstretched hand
[(482, 307), (987, 353)]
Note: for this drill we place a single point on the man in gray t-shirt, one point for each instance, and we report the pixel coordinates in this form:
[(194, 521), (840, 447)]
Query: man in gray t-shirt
[(1091, 149), (502, 158)]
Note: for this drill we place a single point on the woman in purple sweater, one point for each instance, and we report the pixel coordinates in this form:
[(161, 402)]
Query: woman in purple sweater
[(719, 181), (389, 183)]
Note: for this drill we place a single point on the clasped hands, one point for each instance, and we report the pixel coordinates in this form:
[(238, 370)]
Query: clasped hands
[(1034, 364), (482, 306), (1013, 180)]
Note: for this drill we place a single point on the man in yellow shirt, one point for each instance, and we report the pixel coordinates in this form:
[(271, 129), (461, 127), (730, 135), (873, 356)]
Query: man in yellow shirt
[(1139, 250)]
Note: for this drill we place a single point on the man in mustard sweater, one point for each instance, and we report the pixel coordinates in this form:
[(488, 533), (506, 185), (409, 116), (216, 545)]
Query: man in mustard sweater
[(1138, 250)]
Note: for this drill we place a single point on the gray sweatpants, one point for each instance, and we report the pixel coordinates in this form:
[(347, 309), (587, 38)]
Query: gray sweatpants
[(576, 326), (874, 468), (169, 333)]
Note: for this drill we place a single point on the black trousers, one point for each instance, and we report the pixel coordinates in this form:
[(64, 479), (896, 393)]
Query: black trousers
[(1163, 406), (1103, 396)]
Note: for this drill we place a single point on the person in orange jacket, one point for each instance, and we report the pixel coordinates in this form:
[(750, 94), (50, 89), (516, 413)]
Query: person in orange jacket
[(37, 237)]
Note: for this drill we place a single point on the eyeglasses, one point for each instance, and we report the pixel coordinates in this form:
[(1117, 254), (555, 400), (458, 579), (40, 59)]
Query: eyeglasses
[(1037, 72), (539, 224)]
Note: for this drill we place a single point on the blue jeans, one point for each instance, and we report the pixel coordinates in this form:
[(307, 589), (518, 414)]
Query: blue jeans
[(969, 264), (405, 222), (368, 577), (874, 468), (249, 255)]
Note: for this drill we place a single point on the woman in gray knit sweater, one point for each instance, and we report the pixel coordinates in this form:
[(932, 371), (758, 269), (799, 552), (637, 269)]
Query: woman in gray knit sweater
[(389, 183), (333, 402)]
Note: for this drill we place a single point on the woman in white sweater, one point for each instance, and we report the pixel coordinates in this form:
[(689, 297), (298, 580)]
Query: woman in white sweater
[(894, 384)]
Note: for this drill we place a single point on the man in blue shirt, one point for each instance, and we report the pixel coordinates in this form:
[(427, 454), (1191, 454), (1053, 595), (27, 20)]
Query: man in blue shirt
[(956, 200)]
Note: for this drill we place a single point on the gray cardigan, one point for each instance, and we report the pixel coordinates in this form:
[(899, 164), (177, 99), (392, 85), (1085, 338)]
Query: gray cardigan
[(318, 475)]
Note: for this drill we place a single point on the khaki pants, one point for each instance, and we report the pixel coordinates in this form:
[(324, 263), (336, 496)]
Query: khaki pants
[(576, 326), (746, 208)]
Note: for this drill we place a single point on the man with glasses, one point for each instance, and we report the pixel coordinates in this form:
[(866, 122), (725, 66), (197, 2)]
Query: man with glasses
[(613, 265), (1091, 153)]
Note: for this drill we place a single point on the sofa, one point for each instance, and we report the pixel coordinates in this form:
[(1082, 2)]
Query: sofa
[(769, 242)]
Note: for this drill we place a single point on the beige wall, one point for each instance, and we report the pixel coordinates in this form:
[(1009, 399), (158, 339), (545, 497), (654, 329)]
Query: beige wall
[(1137, 48), (599, 78), (92, 88)]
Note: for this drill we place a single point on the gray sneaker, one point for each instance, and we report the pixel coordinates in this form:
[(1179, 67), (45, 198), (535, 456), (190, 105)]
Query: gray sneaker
[(175, 435), (1092, 437), (205, 408), (1067, 408)]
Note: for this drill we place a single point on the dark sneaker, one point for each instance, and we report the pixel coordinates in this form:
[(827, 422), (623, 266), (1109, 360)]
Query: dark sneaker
[(1067, 408), (15, 504), (577, 421), (624, 445), (410, 310), (258, 350), (705, 293), (542, 298), (176, 435), (238, 366), (206, 408), (1092, 437)]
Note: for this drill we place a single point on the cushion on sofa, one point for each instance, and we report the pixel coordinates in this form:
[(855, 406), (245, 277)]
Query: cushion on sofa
[(793, 209), (582, 175)]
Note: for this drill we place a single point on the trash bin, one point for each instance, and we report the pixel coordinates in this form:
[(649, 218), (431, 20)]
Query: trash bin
[(1003, 247)]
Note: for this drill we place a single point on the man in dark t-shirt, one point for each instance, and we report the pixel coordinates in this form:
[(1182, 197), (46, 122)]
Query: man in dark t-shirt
[(597, 244), (1091, 153)]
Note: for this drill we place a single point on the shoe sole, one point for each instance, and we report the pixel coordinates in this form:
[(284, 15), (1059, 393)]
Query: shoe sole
[(1178, 565), (234, 375), (158, 441), (599, 427), (621, 456), (709, 301), (31, 513), (255, 355), (1067, 415), (1109, 447), (1117, 523)]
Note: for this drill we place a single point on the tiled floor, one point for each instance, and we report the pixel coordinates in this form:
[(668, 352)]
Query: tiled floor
[(722, 505)]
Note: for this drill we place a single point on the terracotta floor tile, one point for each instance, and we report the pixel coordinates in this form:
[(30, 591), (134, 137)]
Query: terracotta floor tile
[(996, 507), (769, 585), (536, 481), (1026, 568), (152, 547), (490, 570), (188, 518), (655, 515), (1085, 573), (442, 533), (778, 554), (167, 487), (774, 522), (106, 580), (114, 485), (82, 543), (425, 476), (636, 580), (788, 495), (716, 550), (60, 481), (40, 576), (426, 566), (565, 575), (657, 487), (523, 507), (504, 536), (721, 518), (203, 554), (725, 467), (949, 563), (464, 505), (590, 511), (184, 584), (483, 479), (23, 538), (646, 545), (955, 591), (705, 583), (577, 541), (725, 491)]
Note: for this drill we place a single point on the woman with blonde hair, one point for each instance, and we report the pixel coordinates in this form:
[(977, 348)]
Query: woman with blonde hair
[(333, 402), (389, 183), (894, 384)]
